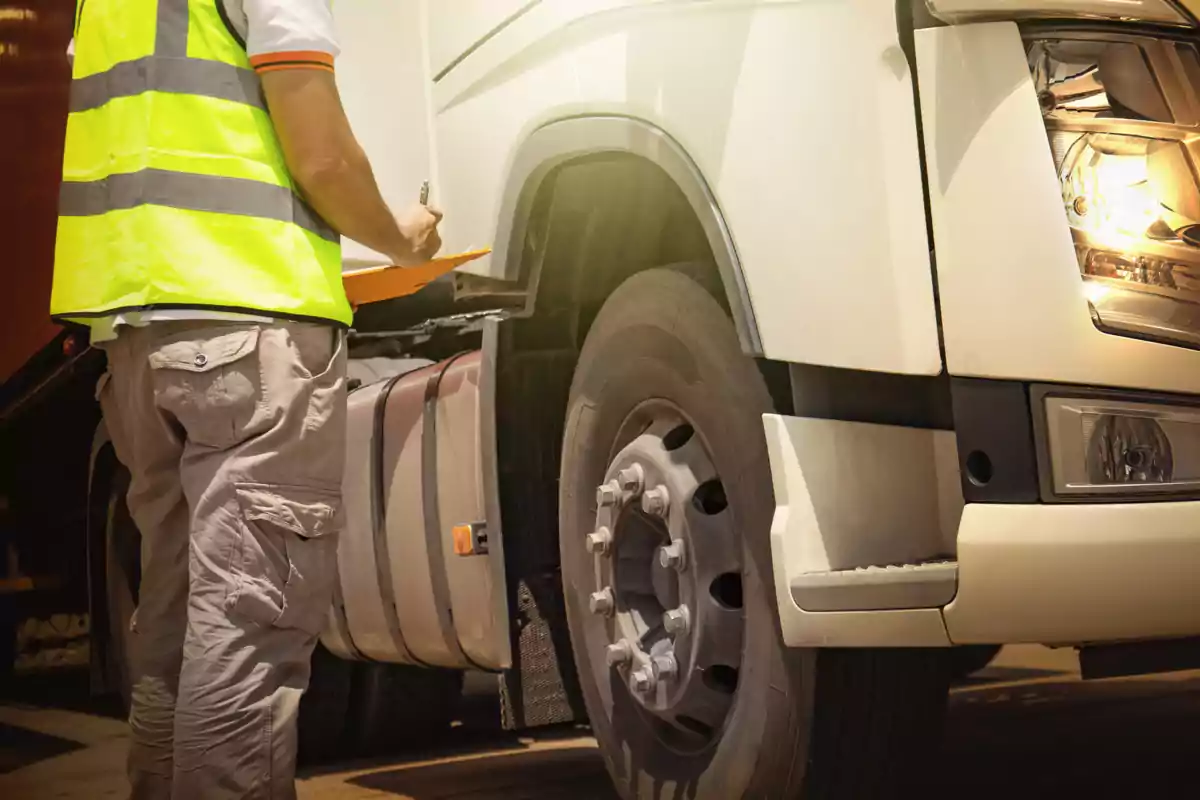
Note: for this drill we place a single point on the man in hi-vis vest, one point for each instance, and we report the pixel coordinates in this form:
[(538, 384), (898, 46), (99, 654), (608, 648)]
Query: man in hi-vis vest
[(208, 173)]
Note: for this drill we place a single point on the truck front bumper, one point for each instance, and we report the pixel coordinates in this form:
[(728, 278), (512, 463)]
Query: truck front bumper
[(1077, 573), (854, 494)]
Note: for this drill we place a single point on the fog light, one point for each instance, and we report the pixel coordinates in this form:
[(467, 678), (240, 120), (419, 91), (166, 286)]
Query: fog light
[(1108, 446), (1127, 450)]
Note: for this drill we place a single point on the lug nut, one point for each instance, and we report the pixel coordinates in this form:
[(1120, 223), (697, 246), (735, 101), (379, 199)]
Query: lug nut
[(642, 681), (666, 667), (619, 653), (631, 479), (673, 556), (656, 501), (608, 494), (677, 620), (601, 602), (598, 543)]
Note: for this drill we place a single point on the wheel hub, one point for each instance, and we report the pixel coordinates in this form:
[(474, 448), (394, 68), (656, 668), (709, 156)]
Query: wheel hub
[(668, 579)]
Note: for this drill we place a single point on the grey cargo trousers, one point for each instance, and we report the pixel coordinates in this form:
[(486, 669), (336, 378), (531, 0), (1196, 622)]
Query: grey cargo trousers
[(234, 435)]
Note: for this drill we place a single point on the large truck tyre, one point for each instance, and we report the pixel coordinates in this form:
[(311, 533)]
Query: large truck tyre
[(322, 724), (665, 511)]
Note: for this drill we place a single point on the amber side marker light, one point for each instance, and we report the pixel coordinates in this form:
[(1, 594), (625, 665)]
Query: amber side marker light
[(470, 539)]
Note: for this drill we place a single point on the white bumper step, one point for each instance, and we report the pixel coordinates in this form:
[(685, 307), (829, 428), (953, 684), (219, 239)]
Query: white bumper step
[(896, 586)]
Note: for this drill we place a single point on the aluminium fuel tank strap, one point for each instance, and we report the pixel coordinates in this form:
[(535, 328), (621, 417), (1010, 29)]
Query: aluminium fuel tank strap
[(383, 558), (342, 622), (435, 546)]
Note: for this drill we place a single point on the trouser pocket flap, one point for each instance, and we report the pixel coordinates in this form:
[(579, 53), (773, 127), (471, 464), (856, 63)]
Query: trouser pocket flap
[(305, 511), (288, 555), (203, 350)]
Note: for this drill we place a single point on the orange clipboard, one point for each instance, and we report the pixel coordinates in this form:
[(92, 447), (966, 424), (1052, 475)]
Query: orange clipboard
[(373, 284)]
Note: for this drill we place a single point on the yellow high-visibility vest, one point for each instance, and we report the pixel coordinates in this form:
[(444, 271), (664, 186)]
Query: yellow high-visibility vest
[(175, 192)]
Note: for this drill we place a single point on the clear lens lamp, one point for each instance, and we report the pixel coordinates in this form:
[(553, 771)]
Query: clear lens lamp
[(1125, 450), (1123, 119), (1114, 448)]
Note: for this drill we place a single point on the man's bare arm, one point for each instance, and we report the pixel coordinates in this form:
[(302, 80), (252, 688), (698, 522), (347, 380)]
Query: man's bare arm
[(333, 172)]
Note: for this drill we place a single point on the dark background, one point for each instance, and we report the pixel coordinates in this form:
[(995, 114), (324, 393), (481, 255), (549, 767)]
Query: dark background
[(34, 82)]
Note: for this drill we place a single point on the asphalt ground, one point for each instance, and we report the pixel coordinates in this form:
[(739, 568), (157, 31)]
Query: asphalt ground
[(1026, 728)]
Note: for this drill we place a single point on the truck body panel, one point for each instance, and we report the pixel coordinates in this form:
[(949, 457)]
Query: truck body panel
[(824, 472), (1071, 574), (843, 281), (461, 25), (1012, 302), (384, 80)]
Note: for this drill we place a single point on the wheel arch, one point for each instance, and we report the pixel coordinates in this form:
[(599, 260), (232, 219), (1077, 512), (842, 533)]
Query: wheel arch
[(591, 200), (548, 154)]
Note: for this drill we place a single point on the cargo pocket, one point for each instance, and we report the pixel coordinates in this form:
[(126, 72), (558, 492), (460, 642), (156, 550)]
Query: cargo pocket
[(288, 558), (206, 380)]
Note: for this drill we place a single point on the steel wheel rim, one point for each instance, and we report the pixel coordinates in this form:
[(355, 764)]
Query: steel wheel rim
[(668, 578)]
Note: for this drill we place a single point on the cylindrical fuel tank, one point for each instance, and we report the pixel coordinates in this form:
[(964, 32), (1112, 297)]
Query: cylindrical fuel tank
[(361, 624), (414, 473)]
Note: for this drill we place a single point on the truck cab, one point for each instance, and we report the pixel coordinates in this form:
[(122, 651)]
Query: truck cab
[(850, 333), (816, 341)]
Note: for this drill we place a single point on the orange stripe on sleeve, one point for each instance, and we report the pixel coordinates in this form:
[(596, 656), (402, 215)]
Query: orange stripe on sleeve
[(294, 65), (313, 59)]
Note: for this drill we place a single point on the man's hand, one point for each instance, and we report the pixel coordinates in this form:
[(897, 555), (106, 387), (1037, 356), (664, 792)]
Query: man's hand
[(418, 225)]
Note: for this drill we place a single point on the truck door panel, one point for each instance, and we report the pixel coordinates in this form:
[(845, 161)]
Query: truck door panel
[(383, 78)]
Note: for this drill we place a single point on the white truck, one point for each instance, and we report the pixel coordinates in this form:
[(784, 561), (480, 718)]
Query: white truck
[(818, 339)]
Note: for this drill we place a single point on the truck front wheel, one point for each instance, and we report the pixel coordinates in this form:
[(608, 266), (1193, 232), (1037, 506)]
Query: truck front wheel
[(665, 510)]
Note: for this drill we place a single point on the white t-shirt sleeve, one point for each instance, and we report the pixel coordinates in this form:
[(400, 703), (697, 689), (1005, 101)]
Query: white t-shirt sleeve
[(285, 34)]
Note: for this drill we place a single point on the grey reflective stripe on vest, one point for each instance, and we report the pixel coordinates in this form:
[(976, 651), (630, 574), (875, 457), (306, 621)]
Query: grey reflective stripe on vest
[(170, 70), (172, 75), (190, 192), (171, 29)]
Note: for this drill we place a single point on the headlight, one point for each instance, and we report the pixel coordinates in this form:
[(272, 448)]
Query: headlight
[(959, 11), (1122, 117)]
